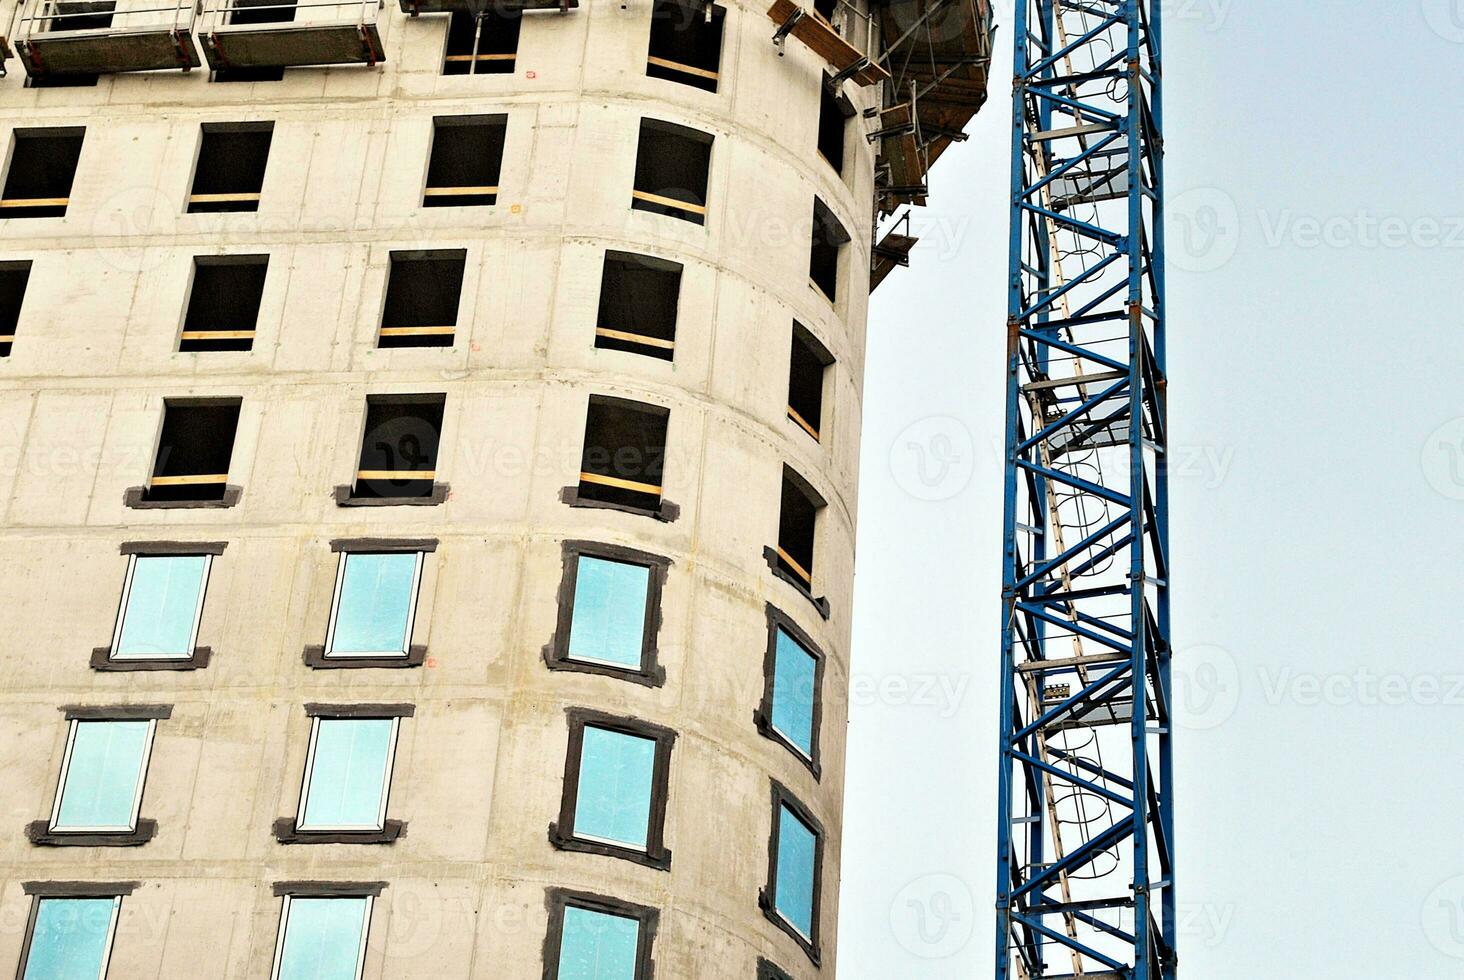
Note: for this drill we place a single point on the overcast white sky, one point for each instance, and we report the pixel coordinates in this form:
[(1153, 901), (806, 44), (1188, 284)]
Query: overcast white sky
[(1317, 414)]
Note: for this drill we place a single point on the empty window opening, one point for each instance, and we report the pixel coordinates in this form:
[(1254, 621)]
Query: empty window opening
[(42, 169), (467, 158), (347, 774), (102, 775), (624, 452), (70, 937), (797, 518), (322, 936), (596, 938), (829, 239), (375, 604), (260, 73), (671, 167), (616, 775), (485, 44), (194, 450), (686, 42), (399, 448), (808, 363), (261, 11), (77, 80), (81, 15), (834, 112), (423, 290), (638, 299), (13, 279), (162, 603), (223, 305), (230, 171), (795, 865), (826, 9)]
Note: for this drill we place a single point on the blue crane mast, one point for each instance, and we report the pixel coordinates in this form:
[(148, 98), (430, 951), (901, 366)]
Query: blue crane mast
[(1085, 883)]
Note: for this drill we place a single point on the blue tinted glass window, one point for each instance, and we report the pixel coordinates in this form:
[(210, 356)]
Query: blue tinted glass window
[(103, 775), (70, 939), (162, 606), (323, 938), (614, 796), (374, 609), (597, 945), (794, 673), (609, 621), (794, 886), (348, 774)]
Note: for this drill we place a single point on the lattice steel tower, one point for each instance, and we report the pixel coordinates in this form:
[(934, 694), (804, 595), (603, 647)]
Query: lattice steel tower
[(1086, 823)]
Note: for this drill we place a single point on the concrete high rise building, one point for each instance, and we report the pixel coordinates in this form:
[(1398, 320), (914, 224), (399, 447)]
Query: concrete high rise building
[(428, 451)]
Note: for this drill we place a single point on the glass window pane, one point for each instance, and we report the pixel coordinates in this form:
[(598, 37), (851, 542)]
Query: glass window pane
[(348, 776), (794, 886), (375, 604), (323, 939), (609, 618), (597, 946), (161, 606), (70, 939), (793, 692), (103, 776), (614, 799)]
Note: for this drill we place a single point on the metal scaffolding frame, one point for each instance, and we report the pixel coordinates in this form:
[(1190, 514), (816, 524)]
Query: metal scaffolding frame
[(1085, 884)]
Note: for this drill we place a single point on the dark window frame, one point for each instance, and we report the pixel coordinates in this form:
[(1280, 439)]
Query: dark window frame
[(487, 120), (346, 495), (101, 657), (216, 202), (315, 656), (705, 76), (40, 891), (664, 510), (768, 970), (557, 899), (142, 497), (768, 896), (250, 261), (25, 134), (287, 830), (763, 718), (561, 832), (556, 653)]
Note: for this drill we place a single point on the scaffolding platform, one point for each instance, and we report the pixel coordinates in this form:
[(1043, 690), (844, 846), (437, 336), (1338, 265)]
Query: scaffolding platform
[(824, 40), (100, 37), (414, 7), (281, 34), (892, 252)]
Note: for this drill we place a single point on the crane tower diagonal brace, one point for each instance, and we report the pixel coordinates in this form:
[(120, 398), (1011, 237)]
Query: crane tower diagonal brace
[(1086, 847)]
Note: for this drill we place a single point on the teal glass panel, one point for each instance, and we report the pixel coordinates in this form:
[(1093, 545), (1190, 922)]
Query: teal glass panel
[(609, 620), (103, 776), (375, 606), (615, 778), (348, 776), (794, 886), (70, 939), (794, 672), (597, 946), (323, 939), (162, 605)]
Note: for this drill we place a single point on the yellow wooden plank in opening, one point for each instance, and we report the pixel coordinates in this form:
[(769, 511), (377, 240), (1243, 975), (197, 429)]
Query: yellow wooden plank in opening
[(802, 572), (678, 66), (615, 481), (670, 202), (396, 474), (35, 202), (635, 338), (456, 191), (7, 338), (190, 480), (220, 198), (217, 335), (416, 331), (819, 289), (480, 57), (793, 414)]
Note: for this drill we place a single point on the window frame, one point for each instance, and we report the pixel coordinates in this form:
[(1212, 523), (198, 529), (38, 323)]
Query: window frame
[(559, 899), (123, 606), (73, 725), (228, 202), (768, 970), (42, 891), (768, 896), (335, 606), (346, 494), (713, 12), (653, 201), (562, 832), (802, 336), (142, 497), (556, 652), (318, 656), (367, 891), (663, 510), (294, 831), (484, 120), (776, 554), (778, 620), (48, 206)]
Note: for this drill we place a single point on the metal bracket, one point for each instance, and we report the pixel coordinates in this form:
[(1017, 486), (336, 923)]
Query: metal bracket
[(786, 28)]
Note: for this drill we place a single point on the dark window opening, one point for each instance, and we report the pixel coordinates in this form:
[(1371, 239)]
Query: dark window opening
[(230, 170), (13, 279), (686, 42), (486, 44), (671, 167), (262, 73), (223, 305), (829, 239), (399, 447), (467, 158), (834, 112), (797, 519), (826, 9), (422, 294), (194, 450), (64, 81), (807, 365), (624, 453), (262, 11), (42, 169), (81, 15), (638, 300)]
